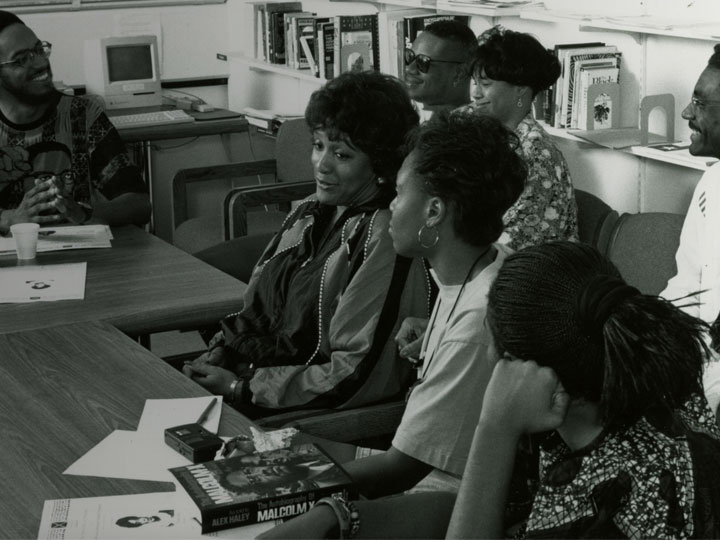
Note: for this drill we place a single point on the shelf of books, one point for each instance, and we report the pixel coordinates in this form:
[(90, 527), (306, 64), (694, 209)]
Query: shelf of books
[(281, 69)]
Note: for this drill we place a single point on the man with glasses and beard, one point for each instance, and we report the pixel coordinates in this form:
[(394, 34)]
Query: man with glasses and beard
[(437, 71), (97, 183)]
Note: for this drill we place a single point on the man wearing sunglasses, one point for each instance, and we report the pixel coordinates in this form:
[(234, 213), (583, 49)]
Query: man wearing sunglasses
[(696, 286), (436, 68), (61, 160)]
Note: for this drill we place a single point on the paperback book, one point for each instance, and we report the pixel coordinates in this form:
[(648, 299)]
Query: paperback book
[(254, 488), (356, 43)]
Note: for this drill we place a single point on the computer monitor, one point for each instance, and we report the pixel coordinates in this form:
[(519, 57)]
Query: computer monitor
[(124, 71)]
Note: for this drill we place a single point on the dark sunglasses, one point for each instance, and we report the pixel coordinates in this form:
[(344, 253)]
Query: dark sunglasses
[(422, 61)]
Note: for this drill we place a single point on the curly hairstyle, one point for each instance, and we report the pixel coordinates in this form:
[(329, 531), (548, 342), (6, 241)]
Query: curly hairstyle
[(564, 305), (470, 161), (371, 112), (516, 58)]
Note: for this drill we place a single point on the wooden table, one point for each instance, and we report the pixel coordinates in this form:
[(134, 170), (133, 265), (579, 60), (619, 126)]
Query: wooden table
[(65, 388), (141, 285)]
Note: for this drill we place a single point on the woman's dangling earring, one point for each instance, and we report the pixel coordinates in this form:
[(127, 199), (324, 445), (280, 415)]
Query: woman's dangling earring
[(380, 181), (422, 235), (519, 103)]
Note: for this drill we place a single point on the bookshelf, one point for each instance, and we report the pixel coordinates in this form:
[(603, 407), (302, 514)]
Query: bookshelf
[(261, 65), (658, 57)]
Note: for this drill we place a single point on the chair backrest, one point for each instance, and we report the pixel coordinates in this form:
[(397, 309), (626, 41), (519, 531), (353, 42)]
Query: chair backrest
[(643, 248), (596, 219), (293, 148)]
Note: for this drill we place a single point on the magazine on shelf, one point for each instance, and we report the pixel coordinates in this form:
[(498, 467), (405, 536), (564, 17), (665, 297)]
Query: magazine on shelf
[(254, 488), (356, 43), (578, 65), (602, 104), (568, 58), (552, 94)]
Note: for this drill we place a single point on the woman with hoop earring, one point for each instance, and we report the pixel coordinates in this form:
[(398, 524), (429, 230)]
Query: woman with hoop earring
[(460, 177)]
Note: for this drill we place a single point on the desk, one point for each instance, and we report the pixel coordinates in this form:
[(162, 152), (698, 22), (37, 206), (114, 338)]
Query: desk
[(217, 122), (141, 285), (66, 388)]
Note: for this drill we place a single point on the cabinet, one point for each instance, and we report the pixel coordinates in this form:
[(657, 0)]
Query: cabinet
[(656, 59)]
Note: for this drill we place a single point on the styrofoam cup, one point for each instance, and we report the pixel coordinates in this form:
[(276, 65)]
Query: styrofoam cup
[(26, 238)]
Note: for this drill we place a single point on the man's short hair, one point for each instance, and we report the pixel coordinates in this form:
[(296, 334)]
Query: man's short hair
[(7, 18), (453, 30), (714, 61)]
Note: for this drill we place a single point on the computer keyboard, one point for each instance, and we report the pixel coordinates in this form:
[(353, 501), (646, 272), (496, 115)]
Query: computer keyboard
[(155, 118)]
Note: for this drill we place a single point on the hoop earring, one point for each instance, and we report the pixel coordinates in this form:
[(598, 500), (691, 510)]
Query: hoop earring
[(421, 234), (519, 103)]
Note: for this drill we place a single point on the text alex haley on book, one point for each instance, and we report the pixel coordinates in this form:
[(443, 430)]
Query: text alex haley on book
[(259, 487)]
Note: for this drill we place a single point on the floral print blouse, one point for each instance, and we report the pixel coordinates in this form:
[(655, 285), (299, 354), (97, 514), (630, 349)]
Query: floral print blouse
[(546, 209)]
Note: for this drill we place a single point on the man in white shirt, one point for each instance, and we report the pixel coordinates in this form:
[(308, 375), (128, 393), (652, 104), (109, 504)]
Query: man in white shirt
[(437, 71), (696, 286)]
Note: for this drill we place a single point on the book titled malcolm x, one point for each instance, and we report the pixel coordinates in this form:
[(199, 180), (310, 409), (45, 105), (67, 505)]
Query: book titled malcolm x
[(259, 487)]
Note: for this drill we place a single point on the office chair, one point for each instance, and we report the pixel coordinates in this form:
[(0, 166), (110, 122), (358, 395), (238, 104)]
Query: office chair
[(293, 148), (643, 247), (596, 220)]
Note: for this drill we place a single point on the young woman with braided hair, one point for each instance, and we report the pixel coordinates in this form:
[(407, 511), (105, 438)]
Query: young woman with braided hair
[(593, 424), (635, 451)]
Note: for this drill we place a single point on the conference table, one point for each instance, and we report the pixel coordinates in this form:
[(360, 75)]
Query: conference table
[(65, 388), (141, 285)]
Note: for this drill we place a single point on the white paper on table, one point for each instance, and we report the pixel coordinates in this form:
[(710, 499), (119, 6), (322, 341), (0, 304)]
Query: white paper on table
[(128, 454), (143, 454), (20, 284), (97, 517), (160, 414), (65, 237)]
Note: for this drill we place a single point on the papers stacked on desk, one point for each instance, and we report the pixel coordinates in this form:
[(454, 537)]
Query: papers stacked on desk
[(20, 284), (65, 237)]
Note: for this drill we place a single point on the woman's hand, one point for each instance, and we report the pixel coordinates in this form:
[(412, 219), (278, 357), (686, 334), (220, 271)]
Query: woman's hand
[(317, 523), (213, 357), (523, 397), (410, 337), (213, 378)]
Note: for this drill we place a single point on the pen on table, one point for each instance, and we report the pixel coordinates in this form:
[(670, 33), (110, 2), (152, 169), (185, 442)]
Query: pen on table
[(206, 412)]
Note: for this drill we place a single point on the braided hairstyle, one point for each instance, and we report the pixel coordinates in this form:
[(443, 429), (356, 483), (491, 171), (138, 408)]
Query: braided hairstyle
[(565, 306)]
